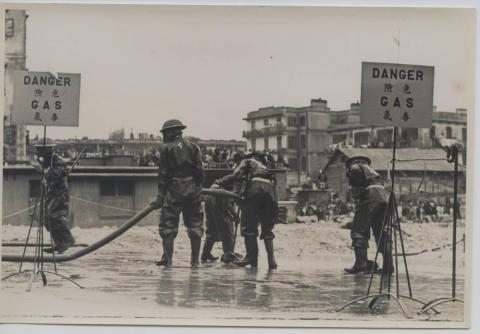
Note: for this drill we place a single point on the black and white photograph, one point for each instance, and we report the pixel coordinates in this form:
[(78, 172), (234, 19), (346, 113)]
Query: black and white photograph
[(208, 165)]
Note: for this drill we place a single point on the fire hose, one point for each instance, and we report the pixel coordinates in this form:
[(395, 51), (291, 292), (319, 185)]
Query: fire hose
[(112, 236), (91, 248)]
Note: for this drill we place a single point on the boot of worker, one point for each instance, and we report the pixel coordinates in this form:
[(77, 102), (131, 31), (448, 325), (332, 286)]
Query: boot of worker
[(251, 258), (361, 262), (228, 251), (62, 237), (272, 264), (388, 266), (195, 244), (207, 252), (167, 257)]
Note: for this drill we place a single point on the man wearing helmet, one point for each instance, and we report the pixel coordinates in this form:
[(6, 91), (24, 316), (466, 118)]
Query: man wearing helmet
[(57, 198), (180, 178), (368, 191), (260, 207)]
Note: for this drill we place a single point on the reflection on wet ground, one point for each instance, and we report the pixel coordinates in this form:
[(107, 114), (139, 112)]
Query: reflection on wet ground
[(281, 291)]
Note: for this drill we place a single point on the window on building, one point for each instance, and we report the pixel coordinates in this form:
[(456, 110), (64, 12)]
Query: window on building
[(34, 189), (292, 163), (448, 132), (254, 144), (292, 121), (265, 122), (125, 188), (279, 119), (464, 135), (253, 125), (9, 27), (292, 142), (302, 121), (265, 143), (339, 138), (279, 142), (303, 164), (116, 188), (303, 141), (432, 132)]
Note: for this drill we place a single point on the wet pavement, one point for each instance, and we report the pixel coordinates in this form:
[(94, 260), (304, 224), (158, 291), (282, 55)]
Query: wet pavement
[(299, 290)]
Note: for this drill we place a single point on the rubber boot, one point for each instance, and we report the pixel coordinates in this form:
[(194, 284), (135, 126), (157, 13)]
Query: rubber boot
[(229, 258), (167, 257), (61, 235), (251, 258), (195, 244), (207, 252), (272, 264), (361, 263)]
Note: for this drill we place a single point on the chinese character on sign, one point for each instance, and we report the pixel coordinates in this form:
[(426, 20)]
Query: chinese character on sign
[(387, 88), (405, 116), (387, 116), (54, 117), (37, 116), (55, 93), (406, 89), (38, 92)]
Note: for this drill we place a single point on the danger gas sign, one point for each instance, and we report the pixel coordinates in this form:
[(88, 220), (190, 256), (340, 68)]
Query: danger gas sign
[(397, 95), (41, 98)]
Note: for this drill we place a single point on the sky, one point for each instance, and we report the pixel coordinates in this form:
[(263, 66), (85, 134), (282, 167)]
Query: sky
[(209, 66)]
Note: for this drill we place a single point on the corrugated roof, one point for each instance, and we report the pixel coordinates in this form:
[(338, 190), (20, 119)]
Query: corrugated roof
[(382, 157)]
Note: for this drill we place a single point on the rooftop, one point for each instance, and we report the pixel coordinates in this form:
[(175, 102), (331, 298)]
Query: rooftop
[(413, 158)]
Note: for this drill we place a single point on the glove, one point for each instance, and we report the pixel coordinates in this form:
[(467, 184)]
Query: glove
[(157, 202), (215, 186)]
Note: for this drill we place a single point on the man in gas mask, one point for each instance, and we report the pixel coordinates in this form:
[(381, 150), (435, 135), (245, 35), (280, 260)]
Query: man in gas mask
[(371, 198), (57, 197), (260, 207), (180, 178)]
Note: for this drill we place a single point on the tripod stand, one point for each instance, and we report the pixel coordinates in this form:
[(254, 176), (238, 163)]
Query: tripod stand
[(38, 263), (389, 241), (452, 156)]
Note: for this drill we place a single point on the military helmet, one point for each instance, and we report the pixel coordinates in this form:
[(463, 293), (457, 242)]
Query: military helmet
[(257, 156), (360, 159), (172, 124)]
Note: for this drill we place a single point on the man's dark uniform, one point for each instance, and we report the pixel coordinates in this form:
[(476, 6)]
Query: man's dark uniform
[(220, 215), (180, 178), (370, 210), (57, 205), (259, 207)]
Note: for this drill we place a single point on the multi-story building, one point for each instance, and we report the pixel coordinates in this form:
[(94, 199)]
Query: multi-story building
[(447, 128), (298, 135), (14, 136), (305, 136)]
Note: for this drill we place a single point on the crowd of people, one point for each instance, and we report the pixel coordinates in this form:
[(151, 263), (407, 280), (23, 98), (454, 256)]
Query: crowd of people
[(426, 210)]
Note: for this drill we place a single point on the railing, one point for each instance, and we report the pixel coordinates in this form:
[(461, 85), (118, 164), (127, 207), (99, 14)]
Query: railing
[(275, 130)]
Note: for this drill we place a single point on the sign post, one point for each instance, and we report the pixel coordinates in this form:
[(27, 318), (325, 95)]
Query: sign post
[(40, 98), (394, 95), (397, 95)]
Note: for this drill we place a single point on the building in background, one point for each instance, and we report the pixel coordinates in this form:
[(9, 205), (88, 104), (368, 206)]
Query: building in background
[(306, 137), (297, 135), (14, 136)]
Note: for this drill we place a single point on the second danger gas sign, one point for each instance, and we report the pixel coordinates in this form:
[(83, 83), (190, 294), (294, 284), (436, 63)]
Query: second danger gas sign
[(41, 98), (397, 95)]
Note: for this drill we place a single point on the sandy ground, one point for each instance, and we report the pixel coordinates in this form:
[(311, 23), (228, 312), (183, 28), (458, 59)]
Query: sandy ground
[(123, 285)]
